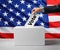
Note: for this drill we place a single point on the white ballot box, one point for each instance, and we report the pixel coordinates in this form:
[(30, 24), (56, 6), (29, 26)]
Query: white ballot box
[(29, 35)]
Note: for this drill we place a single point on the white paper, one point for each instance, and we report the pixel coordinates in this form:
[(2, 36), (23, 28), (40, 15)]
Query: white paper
[(31, 21)]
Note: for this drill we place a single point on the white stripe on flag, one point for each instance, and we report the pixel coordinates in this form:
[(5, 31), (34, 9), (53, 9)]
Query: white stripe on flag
[(54, 18), (53, 30), (6, 29)]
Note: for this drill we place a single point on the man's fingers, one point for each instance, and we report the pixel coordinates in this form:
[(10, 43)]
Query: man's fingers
[(34, 10)]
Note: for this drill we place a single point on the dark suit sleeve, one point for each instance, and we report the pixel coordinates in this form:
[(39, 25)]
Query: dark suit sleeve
[(52, 9)]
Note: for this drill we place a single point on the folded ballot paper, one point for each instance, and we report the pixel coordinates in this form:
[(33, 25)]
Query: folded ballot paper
[(32, 20), (30, 34)]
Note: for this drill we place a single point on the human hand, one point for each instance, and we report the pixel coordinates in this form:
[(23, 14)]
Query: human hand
[(35, 10)]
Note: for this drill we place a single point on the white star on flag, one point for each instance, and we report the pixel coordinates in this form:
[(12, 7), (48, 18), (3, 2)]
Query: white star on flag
[(22, 10), (29, 14), (18, 23), (0, 9), (22, 1), (6, 23), (5, 13), (41, 15), (11, 19), (4, 5), (10, 1), (24, 18), (0, 19), (11, 10), (17, 14), (34, 1), (28, 6), (16, 5), (41, 6), (42, 23)]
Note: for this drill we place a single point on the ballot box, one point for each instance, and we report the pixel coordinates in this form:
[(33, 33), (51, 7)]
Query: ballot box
[(29, 35)]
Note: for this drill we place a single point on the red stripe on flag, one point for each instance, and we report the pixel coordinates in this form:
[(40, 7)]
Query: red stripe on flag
[(53, 2), (52, 36), (11, 35), (54, 24), (7, 35), (54, 14)]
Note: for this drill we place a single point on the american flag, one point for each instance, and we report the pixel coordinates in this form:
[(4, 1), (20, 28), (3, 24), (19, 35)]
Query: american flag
[(17, 12)]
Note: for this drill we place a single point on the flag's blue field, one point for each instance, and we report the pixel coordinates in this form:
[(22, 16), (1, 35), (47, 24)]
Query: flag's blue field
[(16, 12)]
